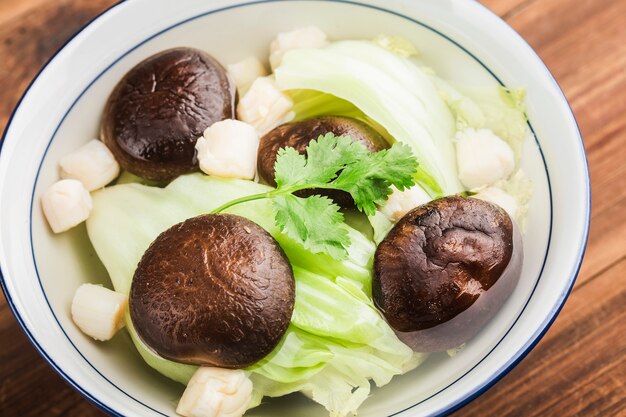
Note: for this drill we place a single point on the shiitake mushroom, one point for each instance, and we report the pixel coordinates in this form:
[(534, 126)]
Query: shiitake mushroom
[(158, 110), (445, 269), (298, 135), (214, 290)]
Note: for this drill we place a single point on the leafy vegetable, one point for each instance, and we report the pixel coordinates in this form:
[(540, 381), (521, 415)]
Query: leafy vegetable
[(128, 178), (502, 111), (411, 104), (312, 103), (369, 180), (396, 44), (381, 225), (357, 346), (294, 217), (498, 109), (332, 162), (324, 158), (387, 88), (337, 341), (521, 188), (367, 176), (122, 210)]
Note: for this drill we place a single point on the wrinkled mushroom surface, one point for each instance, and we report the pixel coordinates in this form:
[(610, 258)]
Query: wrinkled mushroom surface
[(158, 110), (214, 290), (297, 135), (445, 269)]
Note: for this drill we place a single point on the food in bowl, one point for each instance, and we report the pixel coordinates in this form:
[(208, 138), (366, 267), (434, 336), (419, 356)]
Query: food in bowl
[(308, 230)]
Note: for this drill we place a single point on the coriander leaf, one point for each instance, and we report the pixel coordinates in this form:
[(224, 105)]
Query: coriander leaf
[(289, 168), (329, 153), (325, 157), (369, 179), (314, 222), (332, 162)]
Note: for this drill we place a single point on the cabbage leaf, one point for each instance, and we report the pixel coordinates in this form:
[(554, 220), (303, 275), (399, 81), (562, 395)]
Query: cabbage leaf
[(337, 340), (496, 108), (387, 88)]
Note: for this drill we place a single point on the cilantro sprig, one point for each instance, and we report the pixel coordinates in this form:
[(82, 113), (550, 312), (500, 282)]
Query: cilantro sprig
[(338, 163)]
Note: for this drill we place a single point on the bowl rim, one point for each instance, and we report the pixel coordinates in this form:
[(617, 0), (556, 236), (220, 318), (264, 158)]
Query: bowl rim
[(495, 376)]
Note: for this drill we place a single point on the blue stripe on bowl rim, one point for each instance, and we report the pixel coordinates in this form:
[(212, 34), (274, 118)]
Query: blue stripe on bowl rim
[(495, 377)]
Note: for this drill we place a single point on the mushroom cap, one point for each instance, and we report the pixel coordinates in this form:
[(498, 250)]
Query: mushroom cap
[(158, 110), (297, 135), (463, 327), (214, 290), (439, 259)]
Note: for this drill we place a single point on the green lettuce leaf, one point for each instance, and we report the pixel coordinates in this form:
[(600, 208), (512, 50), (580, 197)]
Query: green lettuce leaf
[(496, 108), (337, 340), (293, 217), (397, 44), (387, 88), (381, 225)]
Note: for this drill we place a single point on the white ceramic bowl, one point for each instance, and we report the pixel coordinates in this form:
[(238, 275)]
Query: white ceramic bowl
[(61, 110)]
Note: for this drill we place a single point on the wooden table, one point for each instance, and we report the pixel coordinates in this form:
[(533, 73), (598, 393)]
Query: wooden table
[(579, 368)]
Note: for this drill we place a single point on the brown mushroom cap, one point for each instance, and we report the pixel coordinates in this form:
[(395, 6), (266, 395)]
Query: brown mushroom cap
[(437, 262), (297, 135), (214, 290), (158, 110)]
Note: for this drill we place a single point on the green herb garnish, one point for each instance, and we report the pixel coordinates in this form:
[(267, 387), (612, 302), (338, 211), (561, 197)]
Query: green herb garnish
[(338, 163)]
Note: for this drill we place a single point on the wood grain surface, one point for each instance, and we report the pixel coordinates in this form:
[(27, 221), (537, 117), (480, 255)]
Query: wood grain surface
[(579, 368)]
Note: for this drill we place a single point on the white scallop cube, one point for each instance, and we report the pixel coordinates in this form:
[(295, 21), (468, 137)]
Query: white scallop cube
[(98, 311), (400, 203), (93, 164), (246, 71), (216, 392), (304, 37), (264, 106), (499, 197), (66, 204), (229, 149), (482, 158)]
